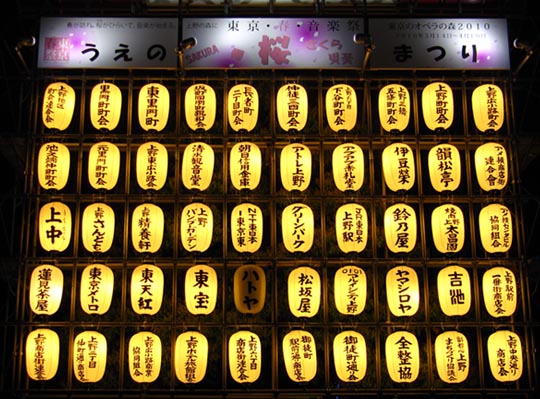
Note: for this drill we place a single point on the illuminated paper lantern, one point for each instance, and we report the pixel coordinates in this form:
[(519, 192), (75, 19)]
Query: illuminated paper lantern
[(46, 287), (200, 107), (89, 356), (55, 226), (350, 290), (444, 165), (300, 355), (153, 106), (400, 228), (448, 228), (197, 166), (103, 165), (488, 108), (402, 291), (152, 165), (304, 291), (438, 106), (348, 167), (196, 227), (246, 227), (452, 357), (295, 167), (105, 106), (350, 356), (341, 107), (249, 289), (397, 344), (505, 354), (292, 107), (500, 291), (394, 107), (147, 283), (97, 228), (398, 166), (245, 357), (190, 357), (147, 226), (97, 286), (201, 289), (297, 227), (42, 354), (243, 107), (495, 222), (58, 106), (491, 166), (144, 357), (245, 165), (454, 290), (351, 228), (53, 166)]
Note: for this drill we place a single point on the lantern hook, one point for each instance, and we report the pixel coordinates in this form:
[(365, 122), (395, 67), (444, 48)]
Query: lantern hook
[(184, 45), (25, 42)]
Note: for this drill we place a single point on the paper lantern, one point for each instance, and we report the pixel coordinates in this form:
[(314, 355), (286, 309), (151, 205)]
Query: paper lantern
[(53, 166), (147, 283), (46, 287), (495, 223), (152, 165), (394, 107), (341, 108), (505, 354), (89, 356), (243, 107), (488, 108), (448, 228), (491, 166), (201, 289), (97, 286), (154, 104), (105, 106), (452, 357), (348, 167), (42, 354), (196, 227), (97, 228), (438, 106), (350, 290), (444, 165), (300, 355), (245, 357), (147, 226), (249, 289), (144, 357), (200, 107), (500, 291), (304, 291), (58, 106), (190, 357), (398, 166), (454, 290), (292, 107), (245, 165), (402, 353), (350, 356), (297, 227), (295, 167), (197, 166), (400, 228), (246, 227), (351, 228), (55, 226), (103, 165), (402, 291)]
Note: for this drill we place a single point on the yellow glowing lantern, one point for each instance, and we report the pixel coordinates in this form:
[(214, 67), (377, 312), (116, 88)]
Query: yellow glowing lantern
[(147, 283), (292, 107), (297, 227), (448, 228), (58, 106), (147, 226), (341, 107), (304, 291), (396, 345), (350, 356), (89, 356), (505, 354), (454, 290), (452, 357), (351, 228), (300, 355), (200, 107), (245, 357), (144, 357), (350, 290), (152, 165), (438, 106), (495, 222), (398, 166), (249, 289), (153, 107), (394, 107), (402, 291), (196, 227), (53, 166), (97, 228), (97, 286), (245, 165), (55, 226), (105, 106), (243, 107), (295, 167), (103, 165), (46, 287), (197, 166), (488, 108), (348, 167), (42, 354), (246, 227), (201, 289), (444, 165), (500, 291), (491, 165), (190, 357), (400, 228)]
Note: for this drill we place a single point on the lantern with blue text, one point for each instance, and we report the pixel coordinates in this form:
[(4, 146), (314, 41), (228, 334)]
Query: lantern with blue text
[(488, 108), (448, 228), (452, 357), (245, 360), (147, 282), (297, 227), (304, 291), (245, 165), (53, 166), (42, 354), (190, 357), (249, 289), (89, 356), (398, 166), (500, 291), (105, 106), (402, 291), (58, 106), (97, 286), (444, 165), (153, 107), (351, 228), (350, 290), (341, 108), (144, 357), (196, 227), (55, 226), (300, 355), (350, 356), (201, 289), (246, 227), (292, 107), (97, 228), (495, 224), (103, 165), (200, 107), (243, 107), (152, 165), (454, 290), (400, 228), (394, 108), (147, 226), (197, 166), (397, 345), (505, 354), (46, 287), (348, 167), (295, 167), (438, 106), (491, 166)]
